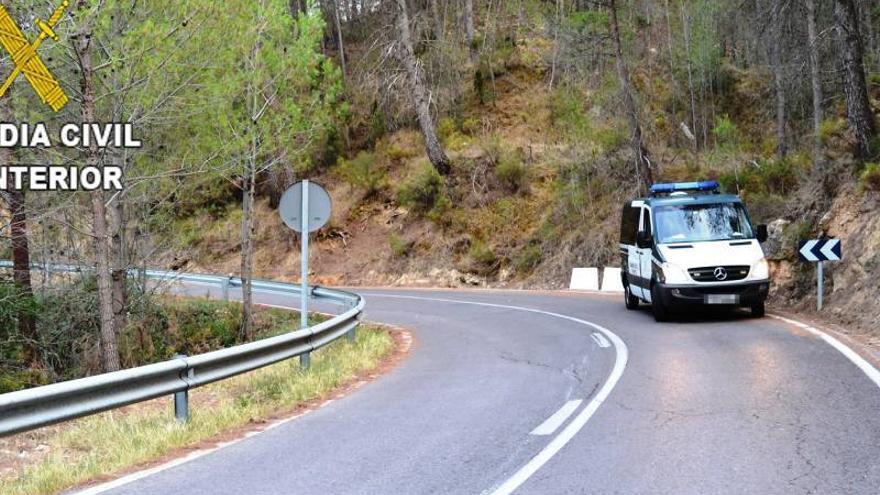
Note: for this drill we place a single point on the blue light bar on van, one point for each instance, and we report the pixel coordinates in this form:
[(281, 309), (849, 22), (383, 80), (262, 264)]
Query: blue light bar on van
[(671, 187)]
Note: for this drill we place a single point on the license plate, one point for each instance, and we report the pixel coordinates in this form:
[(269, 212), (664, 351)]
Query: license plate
[(722, 299)]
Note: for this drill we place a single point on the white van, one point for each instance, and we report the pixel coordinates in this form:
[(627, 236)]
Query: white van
[(688, 244)]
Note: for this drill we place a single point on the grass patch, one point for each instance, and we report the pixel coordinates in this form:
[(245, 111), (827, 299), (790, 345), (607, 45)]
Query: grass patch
[(512, 171), (424, 193), (363, 172), (107, 443), (400, 247), (869, 179)]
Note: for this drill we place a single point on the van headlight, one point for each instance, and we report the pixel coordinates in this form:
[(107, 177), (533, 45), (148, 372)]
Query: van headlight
[(674, 274), (761, 269)]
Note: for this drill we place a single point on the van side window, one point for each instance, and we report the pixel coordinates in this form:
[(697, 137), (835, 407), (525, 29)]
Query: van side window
[(629, 225), (646, 221)]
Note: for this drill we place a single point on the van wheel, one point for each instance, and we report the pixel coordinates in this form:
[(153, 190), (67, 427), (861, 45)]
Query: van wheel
[(632, 302), (758, 310), (661, 312)]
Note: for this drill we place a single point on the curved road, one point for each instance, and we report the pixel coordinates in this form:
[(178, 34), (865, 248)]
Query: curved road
[(503, 392)]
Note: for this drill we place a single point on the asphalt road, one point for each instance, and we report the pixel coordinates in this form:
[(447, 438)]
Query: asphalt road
[(713, 404)]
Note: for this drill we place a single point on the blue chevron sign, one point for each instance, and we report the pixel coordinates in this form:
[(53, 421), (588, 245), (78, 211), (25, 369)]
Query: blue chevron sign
[(815, 250)]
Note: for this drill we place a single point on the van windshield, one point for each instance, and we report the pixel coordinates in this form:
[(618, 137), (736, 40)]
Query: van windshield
[(706, 222)]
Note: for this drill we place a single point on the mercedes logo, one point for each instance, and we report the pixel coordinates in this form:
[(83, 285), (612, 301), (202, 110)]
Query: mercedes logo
[(720, 273)]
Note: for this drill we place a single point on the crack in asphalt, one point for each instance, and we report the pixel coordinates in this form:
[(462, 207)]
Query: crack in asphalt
[(572, 371), (800, 442)]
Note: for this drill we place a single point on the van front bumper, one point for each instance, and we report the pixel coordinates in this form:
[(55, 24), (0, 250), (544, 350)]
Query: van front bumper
[(745, 293)]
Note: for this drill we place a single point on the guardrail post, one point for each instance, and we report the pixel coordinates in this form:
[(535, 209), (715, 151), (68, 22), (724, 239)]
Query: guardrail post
[(224, 287), (305, 359), (181, 399), (352, 334)]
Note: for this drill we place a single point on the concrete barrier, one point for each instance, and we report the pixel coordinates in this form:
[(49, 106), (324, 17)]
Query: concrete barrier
[(611, 280), (584, 279)]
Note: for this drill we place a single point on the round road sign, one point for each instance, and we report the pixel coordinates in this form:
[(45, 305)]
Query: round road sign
[(318, 208)]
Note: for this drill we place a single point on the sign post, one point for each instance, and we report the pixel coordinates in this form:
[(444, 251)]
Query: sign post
[(304, 359), (819, 251), (305, 207)]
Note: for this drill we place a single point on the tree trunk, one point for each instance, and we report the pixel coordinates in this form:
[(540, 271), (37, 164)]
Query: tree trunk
[(468, 27), (119, 263), (555, 44), (438, 21), (21, 275), (298, 7), (871, 48), (778, 79), (119, 255), (816, 81), (247, 262), (644, 173), (419, 94), (109, 348), (685, 22), (249, 186), (21, 262), (858, 109), (669, 40), (339, 38)]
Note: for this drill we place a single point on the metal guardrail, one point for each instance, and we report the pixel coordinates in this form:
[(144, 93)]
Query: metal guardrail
[(40, 406)]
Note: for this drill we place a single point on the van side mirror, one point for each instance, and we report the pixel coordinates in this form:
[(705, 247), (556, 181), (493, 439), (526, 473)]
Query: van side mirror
[(761, 233), (643, 239)]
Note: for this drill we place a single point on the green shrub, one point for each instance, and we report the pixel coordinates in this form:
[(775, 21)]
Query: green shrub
[(764, 207), (870, 177), (587, 20), (528, 258), (778, 177), (492, 149), (832, 128), (612, 138), (512, 171), (396, 152), (362, 171), (424, 191), (567, 113), (796, 231), (18, 379), (15, 375), (400, 247), (377, 127), (471, 126), (450, 135), (482, 258), (445, 128), (196, 326), (726, 131)]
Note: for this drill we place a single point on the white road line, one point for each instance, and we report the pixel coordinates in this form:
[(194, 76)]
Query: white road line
[(555, 421), (866, 367), (601, 341), (138, 475), (565, 436)]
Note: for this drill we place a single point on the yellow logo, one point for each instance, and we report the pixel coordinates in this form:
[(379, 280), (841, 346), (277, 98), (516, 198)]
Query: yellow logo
[(24, 56)]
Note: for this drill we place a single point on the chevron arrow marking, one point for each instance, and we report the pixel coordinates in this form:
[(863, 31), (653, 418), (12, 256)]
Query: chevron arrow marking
[(807, 250), (829, 251)]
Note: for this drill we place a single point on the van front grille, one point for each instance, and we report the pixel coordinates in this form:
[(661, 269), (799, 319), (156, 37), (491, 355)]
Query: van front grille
[(719, 273)]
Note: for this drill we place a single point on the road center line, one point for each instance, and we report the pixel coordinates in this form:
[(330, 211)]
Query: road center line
[(572, 429), (555, 421), (601, 341)]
